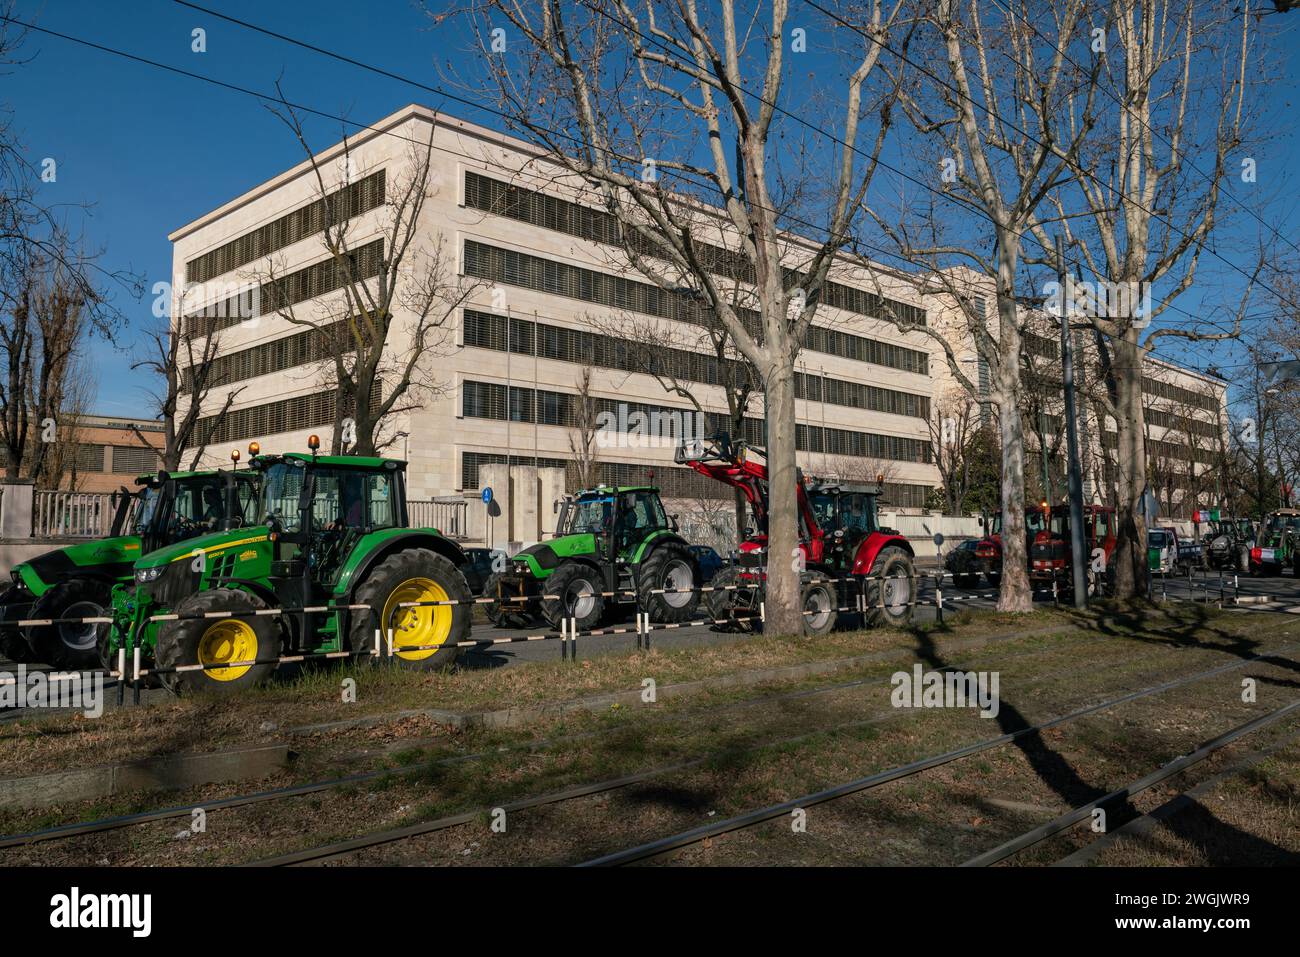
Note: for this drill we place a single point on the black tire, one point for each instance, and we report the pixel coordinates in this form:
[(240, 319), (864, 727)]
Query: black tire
[(406, 576), (244, 636), (577, 594), (723, 602), (71, 647), (895, 566), (994, 579), (504, 614), (966, 581), (819, 606), (669, 569)]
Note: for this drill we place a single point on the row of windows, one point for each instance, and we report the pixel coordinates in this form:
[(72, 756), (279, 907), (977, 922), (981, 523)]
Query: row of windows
[(1042, 346), (309, 282), (551, 212), (489, 400), (299, 349), (1169, 450), (1167, 390), (525, 337), (672, 481), (336, 207), (1182, 423), (272, 418), (514, 268)]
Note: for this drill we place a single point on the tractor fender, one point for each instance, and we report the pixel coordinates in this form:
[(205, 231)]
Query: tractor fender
[(657, 540), (373, 549), (872, 545)]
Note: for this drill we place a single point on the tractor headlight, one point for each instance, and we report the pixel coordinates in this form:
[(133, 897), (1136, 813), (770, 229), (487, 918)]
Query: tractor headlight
[(148, 574), (521, 568)]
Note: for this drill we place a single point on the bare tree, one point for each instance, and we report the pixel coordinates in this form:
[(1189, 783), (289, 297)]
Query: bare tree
[(1143, 202), (991, 117), (664, 89), (584, 438), (406, 304), (954, 425), (186, 366)]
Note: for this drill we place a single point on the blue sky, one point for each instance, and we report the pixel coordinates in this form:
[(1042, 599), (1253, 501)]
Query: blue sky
[(152, 150)]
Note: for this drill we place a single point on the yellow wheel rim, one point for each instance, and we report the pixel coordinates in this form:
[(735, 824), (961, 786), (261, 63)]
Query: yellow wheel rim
[(225, 642), (424, 625)]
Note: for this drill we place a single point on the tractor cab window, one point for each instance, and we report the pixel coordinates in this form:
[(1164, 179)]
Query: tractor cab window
[(640, 512), (146, 508), (855, 514), (347, 498), (245, 501), (1102, 524), (590, 516), (200, 506), (825, 511)]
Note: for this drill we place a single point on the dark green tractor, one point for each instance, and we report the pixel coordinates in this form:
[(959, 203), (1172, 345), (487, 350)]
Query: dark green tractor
[(335, 534), (77, 581), (613, 548)]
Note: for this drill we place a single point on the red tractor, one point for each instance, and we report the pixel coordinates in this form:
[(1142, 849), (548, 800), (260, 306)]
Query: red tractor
[(1049, 556), (841, 546), (988, 550)]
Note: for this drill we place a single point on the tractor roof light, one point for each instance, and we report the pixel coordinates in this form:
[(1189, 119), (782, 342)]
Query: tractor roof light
[(313, 443), (254, 448), (234, 457)]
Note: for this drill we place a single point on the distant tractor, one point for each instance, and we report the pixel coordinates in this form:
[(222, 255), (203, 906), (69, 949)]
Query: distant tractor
[(988, 550), (614, 547), (840, 541), (1228, 542), (77, 581), (1278, 546), (335, 534), (1050, 556)]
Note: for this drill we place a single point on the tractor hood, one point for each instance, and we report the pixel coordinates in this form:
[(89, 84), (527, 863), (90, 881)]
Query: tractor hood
[(210, 544), (112, 557), (544, 557)]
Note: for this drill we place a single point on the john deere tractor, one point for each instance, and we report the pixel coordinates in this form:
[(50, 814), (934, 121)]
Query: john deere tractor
[(612, 547), (334, 534), (77, 581)]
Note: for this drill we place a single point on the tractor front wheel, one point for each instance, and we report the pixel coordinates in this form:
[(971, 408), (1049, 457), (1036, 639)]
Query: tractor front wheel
[(70, 645), (234, 649), (819, 607), (666, 583), (425, 636), (573, 591), (890, 589), (727, 603)]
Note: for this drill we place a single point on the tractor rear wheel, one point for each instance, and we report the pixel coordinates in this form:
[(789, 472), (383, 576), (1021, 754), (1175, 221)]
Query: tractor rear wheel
[(241, 635), (503, 612), (666, 584), (71, 646), (430, 634), (577, 594), (890, 589)]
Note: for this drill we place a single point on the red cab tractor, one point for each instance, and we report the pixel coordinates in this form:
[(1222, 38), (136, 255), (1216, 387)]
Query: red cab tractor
[(839, 540), (988, 550), (1049, 556)]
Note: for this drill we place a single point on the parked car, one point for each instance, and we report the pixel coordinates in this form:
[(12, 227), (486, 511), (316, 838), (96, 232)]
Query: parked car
[(709, 561), (965, 563), (477, 569)]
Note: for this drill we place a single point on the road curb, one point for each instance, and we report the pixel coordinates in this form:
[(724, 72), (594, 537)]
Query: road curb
[(148, 774)]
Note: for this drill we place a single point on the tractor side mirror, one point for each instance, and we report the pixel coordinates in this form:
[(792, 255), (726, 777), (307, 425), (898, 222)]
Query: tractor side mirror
[(672, 519)]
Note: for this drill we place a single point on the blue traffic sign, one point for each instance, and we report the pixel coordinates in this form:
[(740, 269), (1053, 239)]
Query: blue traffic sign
[(487, 495)]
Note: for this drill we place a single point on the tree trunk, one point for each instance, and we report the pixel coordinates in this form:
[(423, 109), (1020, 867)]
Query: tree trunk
[(783, 604), (1130, 558), (1014, 594)]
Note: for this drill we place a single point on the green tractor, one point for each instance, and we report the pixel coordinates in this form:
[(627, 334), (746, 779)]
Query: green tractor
[(77, 581), (336, 534), (612, 547)]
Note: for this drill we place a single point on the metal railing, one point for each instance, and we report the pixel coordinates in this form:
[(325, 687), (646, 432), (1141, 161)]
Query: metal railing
[(57, 514), (447, 513)]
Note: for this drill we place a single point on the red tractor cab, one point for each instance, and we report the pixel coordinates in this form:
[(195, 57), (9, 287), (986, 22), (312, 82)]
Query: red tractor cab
[(841, 544), (1049, 556)]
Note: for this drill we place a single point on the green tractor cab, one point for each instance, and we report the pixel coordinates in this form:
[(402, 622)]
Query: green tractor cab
[(613, 546), (335, 534), (1278, 546), (77, 581)]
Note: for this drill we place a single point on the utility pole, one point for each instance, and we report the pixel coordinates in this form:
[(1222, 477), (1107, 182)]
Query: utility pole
[(1077, 551)]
